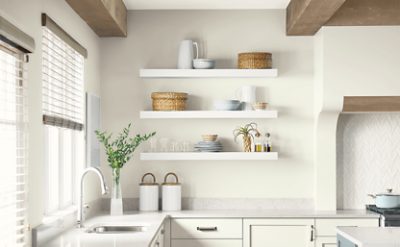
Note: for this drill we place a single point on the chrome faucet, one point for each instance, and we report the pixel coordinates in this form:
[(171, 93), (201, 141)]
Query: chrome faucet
[(104, 191)]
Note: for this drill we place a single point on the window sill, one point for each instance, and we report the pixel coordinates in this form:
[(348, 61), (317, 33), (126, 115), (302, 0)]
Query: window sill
[(60, 216), (53, 225)]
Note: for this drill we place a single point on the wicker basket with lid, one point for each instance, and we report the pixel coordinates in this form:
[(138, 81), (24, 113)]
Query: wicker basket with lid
[(169, 101), (255, 60)]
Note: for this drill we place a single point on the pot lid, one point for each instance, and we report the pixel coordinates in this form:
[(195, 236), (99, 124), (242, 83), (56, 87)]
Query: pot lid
[(389, 192)]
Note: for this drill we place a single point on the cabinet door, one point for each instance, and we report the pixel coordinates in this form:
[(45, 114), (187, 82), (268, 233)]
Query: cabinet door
[(279, 233), (326, 242)]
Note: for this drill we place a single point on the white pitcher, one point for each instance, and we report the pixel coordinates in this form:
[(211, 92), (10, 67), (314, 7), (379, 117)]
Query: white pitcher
[(247, 94), (186, 56)]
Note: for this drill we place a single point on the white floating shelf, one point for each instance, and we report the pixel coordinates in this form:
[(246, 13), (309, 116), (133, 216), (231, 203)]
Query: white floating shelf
[(208, 73), (208, 114), (210, 156)]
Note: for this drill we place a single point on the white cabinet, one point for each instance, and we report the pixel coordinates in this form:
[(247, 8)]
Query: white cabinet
[(206, 232), (206, 228), (259, 232), (279, 232)]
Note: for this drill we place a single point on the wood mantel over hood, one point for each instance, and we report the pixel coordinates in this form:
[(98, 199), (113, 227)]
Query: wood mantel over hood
[(371, 104)]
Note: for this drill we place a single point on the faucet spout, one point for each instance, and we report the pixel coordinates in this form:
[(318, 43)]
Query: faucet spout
[(104, 190)]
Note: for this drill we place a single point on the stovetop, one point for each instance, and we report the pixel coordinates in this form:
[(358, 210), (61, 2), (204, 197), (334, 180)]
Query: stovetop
[(383, 211)]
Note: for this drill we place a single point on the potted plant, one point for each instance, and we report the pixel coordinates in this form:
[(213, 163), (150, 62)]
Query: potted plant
[(119, 151), (247, 132)]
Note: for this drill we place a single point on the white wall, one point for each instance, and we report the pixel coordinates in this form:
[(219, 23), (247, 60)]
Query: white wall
[(354, 61), (26, 16), (153, 40)]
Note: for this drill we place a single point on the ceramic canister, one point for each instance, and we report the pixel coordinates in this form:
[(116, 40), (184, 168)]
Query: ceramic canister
[(148, 194), (247, 94), (171, 194)]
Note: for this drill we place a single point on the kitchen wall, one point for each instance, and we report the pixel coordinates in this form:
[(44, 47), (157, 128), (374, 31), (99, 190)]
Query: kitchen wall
[(26, 16), (152, 42), (368, 157), (352, 61)]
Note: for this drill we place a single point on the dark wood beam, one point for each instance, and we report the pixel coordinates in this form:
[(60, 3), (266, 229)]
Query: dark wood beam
[(371, 104), (305, 17), (367, 13), (107, 18)]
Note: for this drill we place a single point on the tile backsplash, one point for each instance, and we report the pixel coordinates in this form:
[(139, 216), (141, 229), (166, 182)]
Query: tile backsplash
[(368, 157)]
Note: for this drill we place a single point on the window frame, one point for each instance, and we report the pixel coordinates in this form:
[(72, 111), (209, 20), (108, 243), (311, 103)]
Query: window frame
[(20, 123), (59, 54)]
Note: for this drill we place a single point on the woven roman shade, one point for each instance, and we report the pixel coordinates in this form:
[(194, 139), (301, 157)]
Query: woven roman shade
[(62, 74)]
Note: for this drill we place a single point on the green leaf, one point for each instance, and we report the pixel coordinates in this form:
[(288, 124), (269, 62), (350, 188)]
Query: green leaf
[(119, 151)]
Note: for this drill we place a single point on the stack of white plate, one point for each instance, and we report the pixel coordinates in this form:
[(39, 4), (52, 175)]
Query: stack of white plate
[(208, 146)]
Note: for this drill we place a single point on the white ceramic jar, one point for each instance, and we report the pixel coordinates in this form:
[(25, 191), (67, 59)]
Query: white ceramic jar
[(171, 194), (148, 194)]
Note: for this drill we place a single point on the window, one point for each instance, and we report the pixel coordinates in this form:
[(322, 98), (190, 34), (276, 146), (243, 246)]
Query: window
[(63, 115), (13, 146)]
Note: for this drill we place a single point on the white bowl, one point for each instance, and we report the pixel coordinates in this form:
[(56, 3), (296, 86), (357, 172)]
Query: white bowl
[(226, 105), (203, 63)]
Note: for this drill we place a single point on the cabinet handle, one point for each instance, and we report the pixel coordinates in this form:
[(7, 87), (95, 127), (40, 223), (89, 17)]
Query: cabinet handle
[(207, 229), (312, 234)]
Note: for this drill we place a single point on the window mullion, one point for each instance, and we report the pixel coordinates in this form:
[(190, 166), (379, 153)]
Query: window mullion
[(73, 165), (47, 169), (61, 168)]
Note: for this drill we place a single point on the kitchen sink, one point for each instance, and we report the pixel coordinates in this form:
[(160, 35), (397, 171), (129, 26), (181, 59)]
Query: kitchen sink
[(113, 229)]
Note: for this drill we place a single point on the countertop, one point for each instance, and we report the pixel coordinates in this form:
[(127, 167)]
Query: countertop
[(79, 238), (371, 236), (273, 214)]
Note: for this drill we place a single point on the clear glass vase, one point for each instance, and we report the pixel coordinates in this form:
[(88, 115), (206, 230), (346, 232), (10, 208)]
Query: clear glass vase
[(116, 207)]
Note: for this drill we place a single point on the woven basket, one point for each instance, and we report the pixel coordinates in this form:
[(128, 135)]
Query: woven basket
[(255, 60), (169, 101)]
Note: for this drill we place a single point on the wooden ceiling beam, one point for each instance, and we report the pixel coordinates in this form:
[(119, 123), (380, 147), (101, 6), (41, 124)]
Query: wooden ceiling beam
[(305, 17), (367, 13), (107, 18)]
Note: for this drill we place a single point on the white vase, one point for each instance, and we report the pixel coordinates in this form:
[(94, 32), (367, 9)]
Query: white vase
[(186, 56), (116, 207)]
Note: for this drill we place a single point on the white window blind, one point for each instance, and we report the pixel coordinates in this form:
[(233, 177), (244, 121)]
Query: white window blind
[(63, 116), (63, 94), (13, 146)]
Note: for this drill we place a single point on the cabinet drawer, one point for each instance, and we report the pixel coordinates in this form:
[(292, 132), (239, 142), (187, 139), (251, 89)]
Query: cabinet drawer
[(327, 227), (206, 243), (206, 228)]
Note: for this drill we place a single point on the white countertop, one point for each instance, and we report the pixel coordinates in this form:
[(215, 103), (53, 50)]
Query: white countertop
[(371, 236), (79, 238), (273, 214)]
